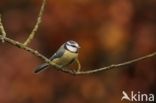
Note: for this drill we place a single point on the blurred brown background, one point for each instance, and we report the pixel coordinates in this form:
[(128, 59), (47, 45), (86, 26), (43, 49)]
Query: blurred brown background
[(109, 31)]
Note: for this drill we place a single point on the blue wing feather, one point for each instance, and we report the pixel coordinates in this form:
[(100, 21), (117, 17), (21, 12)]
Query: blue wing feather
[(58, 54)]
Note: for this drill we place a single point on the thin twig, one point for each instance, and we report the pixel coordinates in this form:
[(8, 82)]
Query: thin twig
[(22, 46), (2, 30), (36, 53), (78, 65), (39, 19), (118, 65)]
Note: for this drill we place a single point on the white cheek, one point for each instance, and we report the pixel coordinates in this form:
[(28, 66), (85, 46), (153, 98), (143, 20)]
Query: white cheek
[(72, 49)]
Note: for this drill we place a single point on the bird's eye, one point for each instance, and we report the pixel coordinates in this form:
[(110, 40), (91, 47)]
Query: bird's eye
[(73, 45)]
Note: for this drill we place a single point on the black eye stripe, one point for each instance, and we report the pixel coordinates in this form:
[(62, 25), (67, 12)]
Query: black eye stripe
[(72, 44)]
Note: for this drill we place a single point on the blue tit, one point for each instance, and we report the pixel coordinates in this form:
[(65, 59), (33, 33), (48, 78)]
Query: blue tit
[(65, 55)]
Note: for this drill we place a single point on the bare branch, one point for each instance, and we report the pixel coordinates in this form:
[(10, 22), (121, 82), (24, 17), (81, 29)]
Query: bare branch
[(67, 70), (22, 46), (2, 30), (39, 19), (118, 65), (36, 53)]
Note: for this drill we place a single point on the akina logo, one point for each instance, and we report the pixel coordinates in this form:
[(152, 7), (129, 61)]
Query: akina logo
[(138, 96)]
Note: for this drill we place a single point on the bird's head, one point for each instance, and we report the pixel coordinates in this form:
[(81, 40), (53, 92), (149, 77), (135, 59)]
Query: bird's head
[(72, 46)]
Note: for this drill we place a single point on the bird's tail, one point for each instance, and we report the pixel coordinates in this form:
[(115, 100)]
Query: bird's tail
[(41, 67)]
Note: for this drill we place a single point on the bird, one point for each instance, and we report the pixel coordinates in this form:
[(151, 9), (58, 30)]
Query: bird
[(63, 57)]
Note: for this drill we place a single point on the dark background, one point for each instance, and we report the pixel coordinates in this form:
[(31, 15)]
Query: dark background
[(109, 31)]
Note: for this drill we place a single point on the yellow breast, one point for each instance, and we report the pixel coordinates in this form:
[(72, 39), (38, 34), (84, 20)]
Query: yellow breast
[(67, 58)]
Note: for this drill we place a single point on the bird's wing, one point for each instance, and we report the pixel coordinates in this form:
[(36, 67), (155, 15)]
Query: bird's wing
[(58, 54)]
